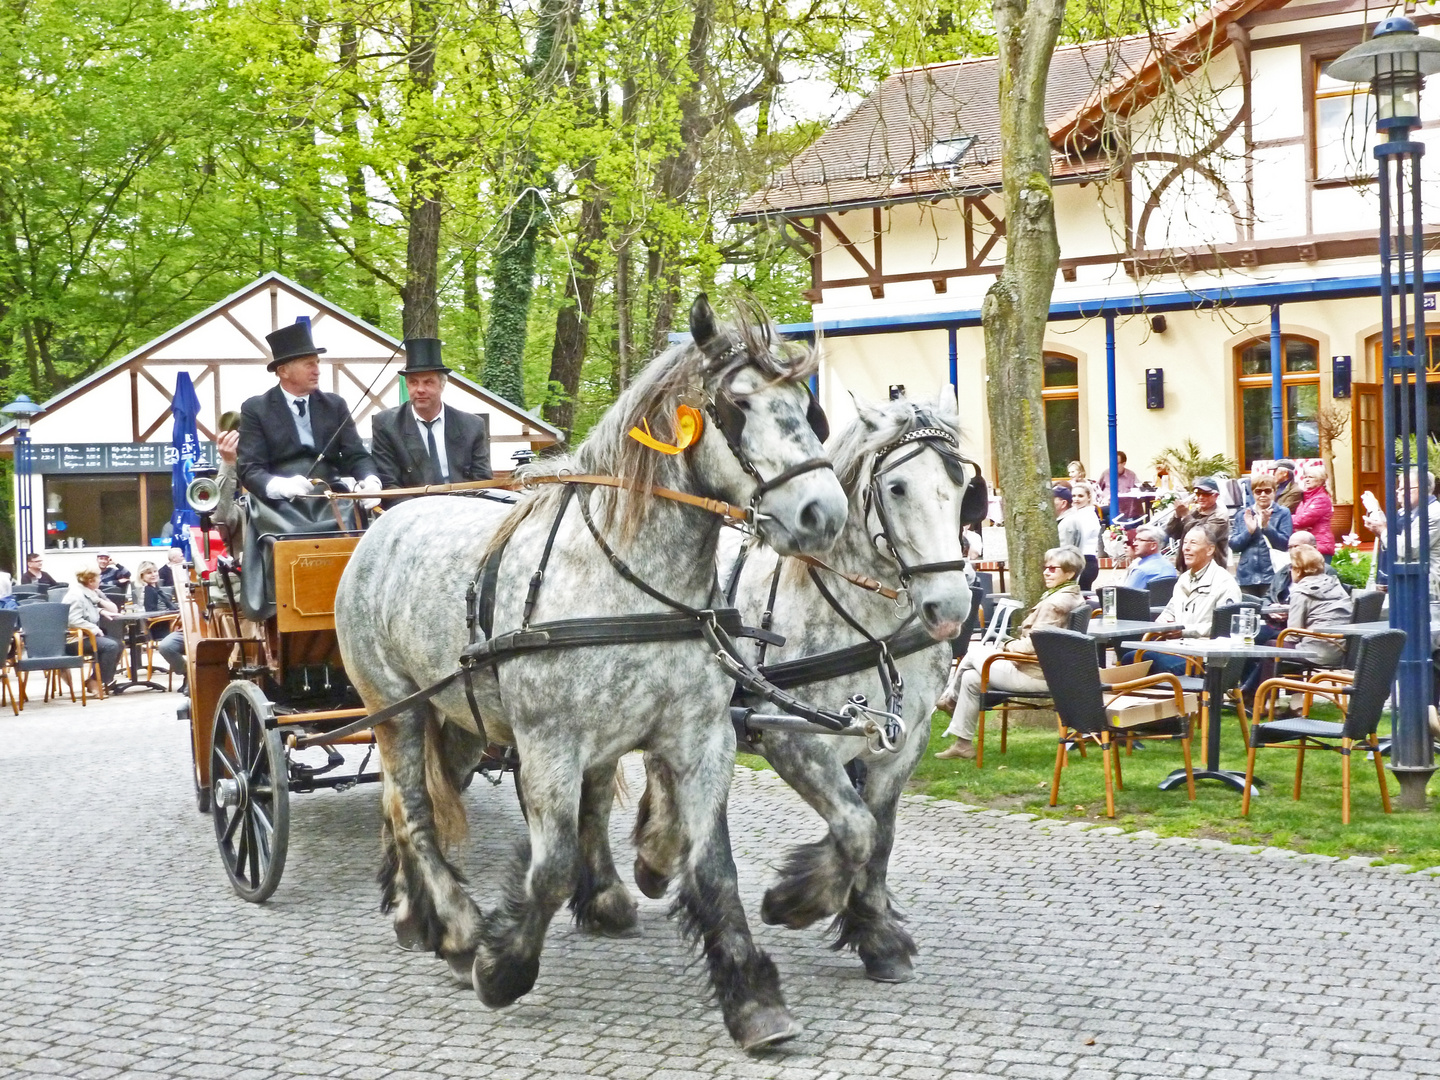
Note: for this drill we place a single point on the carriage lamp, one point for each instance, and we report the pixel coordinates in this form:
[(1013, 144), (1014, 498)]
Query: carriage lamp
[(1394, 62), (22, 410)]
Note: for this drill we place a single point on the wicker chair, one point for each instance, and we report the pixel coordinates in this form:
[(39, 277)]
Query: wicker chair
[(1378, 656), (1160, 590), (1108, 714), (46, 632), (1131, 604)]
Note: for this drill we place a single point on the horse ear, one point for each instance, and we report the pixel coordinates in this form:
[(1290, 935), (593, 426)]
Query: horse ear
[(702, 321), (945, 405), (869, 415)]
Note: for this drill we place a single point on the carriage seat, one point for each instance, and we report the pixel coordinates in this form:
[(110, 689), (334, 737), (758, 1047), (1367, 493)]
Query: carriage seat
[(266, 521)]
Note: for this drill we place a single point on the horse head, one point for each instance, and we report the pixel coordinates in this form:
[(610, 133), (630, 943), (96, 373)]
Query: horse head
[(762, 443), (911, 492)]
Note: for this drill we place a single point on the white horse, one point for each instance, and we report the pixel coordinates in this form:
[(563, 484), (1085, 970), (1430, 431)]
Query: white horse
[(401, 614), (903, 529)]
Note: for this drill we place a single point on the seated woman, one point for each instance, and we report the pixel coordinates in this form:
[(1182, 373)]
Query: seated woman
[(1063, 565), (86, 604), (1317, 602), (171, 644)]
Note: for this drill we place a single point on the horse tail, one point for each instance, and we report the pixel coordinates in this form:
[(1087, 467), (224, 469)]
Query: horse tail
[(451, 824)]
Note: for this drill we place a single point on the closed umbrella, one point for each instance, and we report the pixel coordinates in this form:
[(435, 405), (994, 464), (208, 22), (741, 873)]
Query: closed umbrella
[(183, 456)]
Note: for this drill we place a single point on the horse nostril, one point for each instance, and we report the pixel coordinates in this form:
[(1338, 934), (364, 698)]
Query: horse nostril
[(812, 517), (931, 611)]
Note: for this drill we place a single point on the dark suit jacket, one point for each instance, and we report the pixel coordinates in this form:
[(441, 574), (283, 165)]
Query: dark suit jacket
[(404, 461), (270, 446)]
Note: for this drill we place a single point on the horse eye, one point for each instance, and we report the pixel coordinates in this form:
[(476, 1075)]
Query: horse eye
[(897, 488), (743, 404)]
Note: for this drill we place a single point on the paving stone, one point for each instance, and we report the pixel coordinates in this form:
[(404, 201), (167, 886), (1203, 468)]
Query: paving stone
[(127, 954)]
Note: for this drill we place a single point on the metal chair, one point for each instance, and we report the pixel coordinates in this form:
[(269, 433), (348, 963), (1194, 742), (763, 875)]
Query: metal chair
[(46, 633), (19, 591), (57, 593), (1378, 657), (1109, 714), (1368, 605)]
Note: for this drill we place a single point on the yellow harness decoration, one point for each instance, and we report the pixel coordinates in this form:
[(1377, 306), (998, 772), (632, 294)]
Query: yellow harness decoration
[(689, 423)]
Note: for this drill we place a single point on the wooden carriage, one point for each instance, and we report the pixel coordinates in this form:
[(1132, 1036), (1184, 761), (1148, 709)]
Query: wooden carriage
[(260, 691)]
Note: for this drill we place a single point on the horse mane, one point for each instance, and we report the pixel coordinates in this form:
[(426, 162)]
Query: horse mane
[(751, 340)]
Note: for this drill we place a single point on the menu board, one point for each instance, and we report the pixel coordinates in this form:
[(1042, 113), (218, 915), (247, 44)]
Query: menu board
[(46, 458)]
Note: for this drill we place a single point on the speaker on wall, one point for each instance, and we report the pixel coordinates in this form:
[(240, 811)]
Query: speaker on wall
[(1340, 376), (1154, 388)]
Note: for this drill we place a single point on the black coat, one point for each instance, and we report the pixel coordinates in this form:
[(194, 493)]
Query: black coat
[(402, 457), (270, 445)]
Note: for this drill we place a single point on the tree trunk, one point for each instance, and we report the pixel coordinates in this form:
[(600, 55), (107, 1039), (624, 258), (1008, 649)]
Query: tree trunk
[(361, 227), (623, 316), (572, 322), (513, 271), (420, 316), (1017, 306)]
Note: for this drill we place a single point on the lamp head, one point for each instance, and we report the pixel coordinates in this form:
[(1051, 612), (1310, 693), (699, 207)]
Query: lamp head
[(22, 410), (1394, 62)]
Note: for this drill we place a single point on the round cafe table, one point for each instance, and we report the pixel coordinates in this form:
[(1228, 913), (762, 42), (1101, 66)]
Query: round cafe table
[(135, 624)]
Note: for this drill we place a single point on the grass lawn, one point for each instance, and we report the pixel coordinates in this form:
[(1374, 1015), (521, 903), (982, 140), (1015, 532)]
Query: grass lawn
[(1019, 780)]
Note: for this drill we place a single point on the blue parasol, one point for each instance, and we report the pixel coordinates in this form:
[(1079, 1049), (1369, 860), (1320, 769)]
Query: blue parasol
[(183, 454)]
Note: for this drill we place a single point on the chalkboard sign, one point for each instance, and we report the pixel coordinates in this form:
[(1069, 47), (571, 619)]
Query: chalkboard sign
[(48, 458)]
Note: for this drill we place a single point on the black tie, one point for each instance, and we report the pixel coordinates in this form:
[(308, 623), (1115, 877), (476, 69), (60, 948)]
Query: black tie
[(430, 443), (300, 407)]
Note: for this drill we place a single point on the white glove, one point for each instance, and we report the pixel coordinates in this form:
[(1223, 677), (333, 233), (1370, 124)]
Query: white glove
[(287, 487), (370, 483)]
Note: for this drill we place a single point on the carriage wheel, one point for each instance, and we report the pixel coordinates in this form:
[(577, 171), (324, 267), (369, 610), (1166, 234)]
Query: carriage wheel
[(202, 793), (250, 792)]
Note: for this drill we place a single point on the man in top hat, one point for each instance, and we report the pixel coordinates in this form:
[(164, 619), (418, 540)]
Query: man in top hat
[(294, 432), (425, 441)]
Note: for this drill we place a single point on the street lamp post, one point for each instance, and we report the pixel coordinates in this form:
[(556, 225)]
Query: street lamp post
[(1394, 63), (23, 410)]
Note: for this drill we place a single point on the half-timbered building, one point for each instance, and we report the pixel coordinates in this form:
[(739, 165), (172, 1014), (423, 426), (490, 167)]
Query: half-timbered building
[(1217, 212)]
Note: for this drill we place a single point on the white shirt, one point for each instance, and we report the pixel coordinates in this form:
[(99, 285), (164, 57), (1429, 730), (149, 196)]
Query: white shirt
[(438, 426), (302, 424)]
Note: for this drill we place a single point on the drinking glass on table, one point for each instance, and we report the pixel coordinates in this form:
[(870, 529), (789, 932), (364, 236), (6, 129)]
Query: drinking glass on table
[(1248, 625), (1237, 629), (1108, 604)]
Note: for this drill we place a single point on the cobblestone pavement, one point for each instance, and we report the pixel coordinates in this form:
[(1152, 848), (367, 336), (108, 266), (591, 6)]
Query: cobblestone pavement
[(1048, 951)]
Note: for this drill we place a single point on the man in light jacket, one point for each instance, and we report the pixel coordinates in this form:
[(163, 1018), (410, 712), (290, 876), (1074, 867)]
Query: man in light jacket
[(1410, 541), (1204, 586)]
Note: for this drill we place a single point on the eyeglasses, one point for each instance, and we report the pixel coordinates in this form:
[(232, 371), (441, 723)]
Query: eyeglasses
[(1049, 567)]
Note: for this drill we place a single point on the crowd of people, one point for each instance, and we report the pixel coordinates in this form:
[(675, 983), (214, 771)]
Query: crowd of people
[(1274, 542)]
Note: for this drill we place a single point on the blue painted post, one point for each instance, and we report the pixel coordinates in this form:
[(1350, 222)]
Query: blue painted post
[(1277, 387), (955, 363), (1110, 401)]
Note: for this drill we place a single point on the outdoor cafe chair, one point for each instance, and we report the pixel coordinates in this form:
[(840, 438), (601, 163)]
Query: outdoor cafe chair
[(18, 591), (46, 632), (166, 621), (961, 644), (1110, 714), (995, 634), (10, 643), (1132, 605), (56, 593), (1377, 658), (1160, 590), (1365, 608)]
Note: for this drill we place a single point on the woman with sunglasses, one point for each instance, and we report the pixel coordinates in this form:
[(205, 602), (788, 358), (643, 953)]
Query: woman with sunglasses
[(1063, 565)]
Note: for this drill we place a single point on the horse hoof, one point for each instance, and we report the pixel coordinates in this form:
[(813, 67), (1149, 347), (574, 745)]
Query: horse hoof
[(889, 969), (650, 882), (612, 913), (409, 937), (765, 1028), (778, 909), (462, 966), (499, 982)]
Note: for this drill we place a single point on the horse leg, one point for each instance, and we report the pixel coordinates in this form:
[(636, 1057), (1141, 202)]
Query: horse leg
[(422, 817), (507, 956), (744, 978), (816, 879), (601, 903), (869, 923), (659, 841)]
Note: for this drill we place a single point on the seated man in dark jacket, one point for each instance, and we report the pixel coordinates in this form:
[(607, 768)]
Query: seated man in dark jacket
[(425, 441), (295, 432)]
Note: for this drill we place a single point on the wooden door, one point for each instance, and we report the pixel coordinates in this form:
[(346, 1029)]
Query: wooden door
[(1367, 428)]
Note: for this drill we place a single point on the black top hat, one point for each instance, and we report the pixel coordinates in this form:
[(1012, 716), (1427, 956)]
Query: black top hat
[(290, 343), (423, 354)]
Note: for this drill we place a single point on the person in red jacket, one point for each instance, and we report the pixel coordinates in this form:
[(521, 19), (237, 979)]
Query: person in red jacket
[(1315, 510)]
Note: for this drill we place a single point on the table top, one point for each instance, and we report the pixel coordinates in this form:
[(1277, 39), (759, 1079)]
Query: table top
[(133, 616), (1101, 630), (1222, 648)]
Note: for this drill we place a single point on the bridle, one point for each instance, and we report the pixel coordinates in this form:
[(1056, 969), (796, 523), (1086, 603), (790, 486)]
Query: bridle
[(729, 417), (927, 435)]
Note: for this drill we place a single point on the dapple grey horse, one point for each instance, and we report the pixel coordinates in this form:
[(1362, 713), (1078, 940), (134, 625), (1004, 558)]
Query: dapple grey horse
[(401, 616), (844, 873)]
